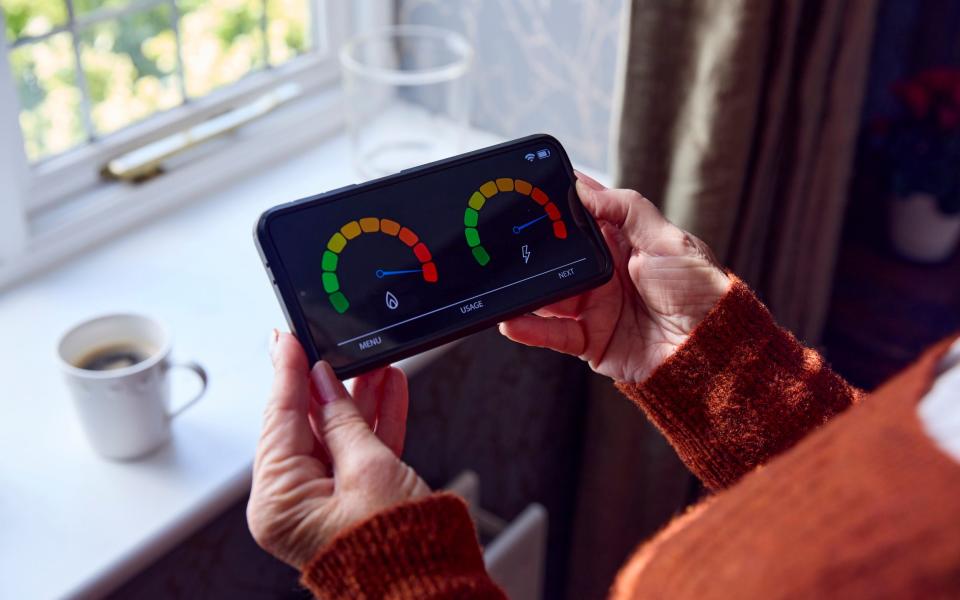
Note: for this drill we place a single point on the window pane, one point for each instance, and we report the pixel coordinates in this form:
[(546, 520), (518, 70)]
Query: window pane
[(288, 29), (222, 41), (49, 100), (130, 65), (32, 17), (83, 7)]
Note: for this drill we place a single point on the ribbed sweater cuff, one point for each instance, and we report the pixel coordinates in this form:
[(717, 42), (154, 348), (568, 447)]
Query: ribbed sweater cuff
[(422, 549), (739, 391)]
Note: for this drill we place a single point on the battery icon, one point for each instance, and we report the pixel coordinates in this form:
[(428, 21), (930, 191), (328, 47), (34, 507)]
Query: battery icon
[(545, 153)]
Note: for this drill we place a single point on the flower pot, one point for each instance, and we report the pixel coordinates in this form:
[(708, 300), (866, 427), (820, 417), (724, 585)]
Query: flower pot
[(919, 231)]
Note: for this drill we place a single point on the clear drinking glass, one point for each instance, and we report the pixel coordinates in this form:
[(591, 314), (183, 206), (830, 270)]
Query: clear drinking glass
[(406, 96)]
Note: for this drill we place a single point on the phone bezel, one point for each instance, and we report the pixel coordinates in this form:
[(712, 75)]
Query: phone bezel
[(297, 321)]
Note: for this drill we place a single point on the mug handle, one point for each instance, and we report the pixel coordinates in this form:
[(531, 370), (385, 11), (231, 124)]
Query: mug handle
[(202, 374)]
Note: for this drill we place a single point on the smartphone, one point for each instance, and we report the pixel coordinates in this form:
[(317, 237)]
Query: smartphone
[(372, 273)]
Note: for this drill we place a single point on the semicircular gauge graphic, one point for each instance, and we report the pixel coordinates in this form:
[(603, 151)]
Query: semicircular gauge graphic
[(369, 225), (471, 217)]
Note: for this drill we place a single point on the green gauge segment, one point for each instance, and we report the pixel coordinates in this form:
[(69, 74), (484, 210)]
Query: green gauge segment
[(477, 200), (330, 260)]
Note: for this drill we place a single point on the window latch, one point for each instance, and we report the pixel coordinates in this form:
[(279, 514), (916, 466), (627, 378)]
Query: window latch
[(147, 162)]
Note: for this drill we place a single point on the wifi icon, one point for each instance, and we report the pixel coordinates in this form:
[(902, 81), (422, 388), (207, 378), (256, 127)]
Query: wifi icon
[(530, 156)]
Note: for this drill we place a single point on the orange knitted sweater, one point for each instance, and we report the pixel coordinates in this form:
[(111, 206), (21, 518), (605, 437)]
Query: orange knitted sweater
[(865, 506)]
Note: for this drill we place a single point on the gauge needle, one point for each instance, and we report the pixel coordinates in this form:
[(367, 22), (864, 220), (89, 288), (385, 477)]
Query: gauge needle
[(519, 228), (381, 273)]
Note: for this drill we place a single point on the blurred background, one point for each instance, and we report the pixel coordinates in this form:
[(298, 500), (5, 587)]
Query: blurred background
[(815, 145), (126, 61)]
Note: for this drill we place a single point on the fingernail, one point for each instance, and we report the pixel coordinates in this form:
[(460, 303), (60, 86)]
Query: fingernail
[(272, 344), (590, 182), (328, 386)]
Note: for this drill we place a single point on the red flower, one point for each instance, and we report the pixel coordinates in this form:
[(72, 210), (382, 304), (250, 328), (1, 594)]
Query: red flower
[(914, 96)]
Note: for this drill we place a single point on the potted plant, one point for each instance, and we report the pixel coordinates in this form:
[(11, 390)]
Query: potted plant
[(920, 147)]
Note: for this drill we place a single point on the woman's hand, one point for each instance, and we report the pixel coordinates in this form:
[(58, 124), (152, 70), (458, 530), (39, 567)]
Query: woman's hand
[(319, 466), (665, 282)]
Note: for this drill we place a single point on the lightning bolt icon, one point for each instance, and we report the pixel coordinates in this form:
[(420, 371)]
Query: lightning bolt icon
[(525, 252)]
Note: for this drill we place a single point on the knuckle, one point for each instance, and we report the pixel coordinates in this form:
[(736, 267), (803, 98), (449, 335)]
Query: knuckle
[(263, 533), (370, 465), (268, 538), (270, 520), (704, 250), (343, 423), (371, 461), (633, 196), (696, 247)]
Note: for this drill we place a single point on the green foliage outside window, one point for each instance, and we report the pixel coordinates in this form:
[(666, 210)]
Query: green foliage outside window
[(131, 65)]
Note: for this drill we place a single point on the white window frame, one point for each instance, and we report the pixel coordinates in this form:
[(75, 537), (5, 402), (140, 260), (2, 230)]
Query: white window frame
[(56, 207), (14, 168)]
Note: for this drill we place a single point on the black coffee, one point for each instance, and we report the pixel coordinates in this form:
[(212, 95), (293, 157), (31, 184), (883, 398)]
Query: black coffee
[(113, 357)]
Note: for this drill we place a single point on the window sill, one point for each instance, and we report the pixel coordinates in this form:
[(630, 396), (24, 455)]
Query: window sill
[(113, 208), (94, 523)]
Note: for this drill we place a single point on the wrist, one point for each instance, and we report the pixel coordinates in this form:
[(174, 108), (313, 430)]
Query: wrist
[(677, 307)]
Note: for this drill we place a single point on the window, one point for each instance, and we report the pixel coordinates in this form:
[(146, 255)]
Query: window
[(87, 68), (83, 82)]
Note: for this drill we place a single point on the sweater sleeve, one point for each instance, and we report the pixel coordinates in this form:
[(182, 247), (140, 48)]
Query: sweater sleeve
[(422, 549), (739, 391)]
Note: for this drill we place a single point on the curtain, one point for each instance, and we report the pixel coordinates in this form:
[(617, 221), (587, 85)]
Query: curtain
[(739, 118)]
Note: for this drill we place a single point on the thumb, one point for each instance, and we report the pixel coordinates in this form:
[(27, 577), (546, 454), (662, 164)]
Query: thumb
[(341, 425), (604, 204), (626, 209)]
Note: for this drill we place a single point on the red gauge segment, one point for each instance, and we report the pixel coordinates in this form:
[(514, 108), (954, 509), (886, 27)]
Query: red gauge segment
[(560, 230), (330, 260), (539, 196), (422, 253), (477, 200)]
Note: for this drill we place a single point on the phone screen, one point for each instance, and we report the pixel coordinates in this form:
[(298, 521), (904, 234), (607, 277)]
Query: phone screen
[(420, 256)]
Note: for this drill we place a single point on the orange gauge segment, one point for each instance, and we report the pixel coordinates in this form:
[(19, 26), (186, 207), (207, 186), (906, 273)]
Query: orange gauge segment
[(350, 230), (486, 192), (488, 189), (408, 237), (370, 224), (389, 227), (331, 258)]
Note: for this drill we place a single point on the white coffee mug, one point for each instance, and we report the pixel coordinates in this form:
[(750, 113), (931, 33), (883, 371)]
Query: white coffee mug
[(125, 411)]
